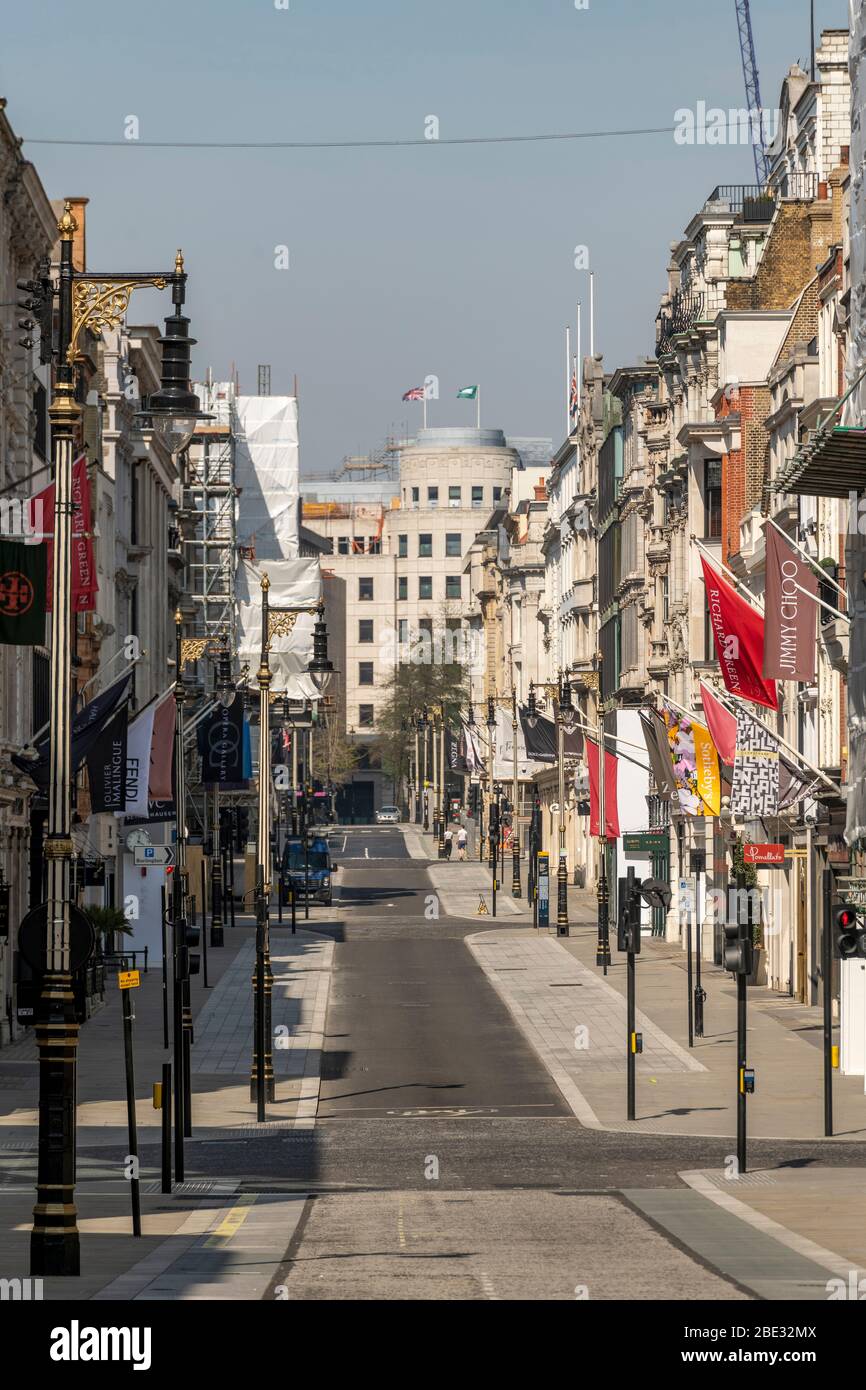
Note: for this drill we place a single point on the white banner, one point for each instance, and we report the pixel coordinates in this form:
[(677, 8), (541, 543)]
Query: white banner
[(138, 741)]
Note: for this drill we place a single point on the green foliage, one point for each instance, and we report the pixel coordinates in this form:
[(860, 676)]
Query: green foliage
[(409, 689), (107, 919)]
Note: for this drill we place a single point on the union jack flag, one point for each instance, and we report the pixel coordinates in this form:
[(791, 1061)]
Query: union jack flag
[(572, 404), (416, 394)]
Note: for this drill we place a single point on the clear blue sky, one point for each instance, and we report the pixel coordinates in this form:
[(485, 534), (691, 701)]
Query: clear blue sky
[(404, 262)]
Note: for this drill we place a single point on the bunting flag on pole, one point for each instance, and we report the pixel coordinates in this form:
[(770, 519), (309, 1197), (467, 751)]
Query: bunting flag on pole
[(466, 393), (86, 727), (755, 790), (656, 739), (789, 631), (416, 394), (106, 765), (159, 785), (611, 808), (572, 398), (721, 724), (221, 744), (84, 582), (695, 764), (738, 632), (23, 594)]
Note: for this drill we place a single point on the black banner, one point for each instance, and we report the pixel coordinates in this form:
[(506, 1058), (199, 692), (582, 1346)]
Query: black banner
[(540, 740), (221, 744), (86, 726), (106, 766), (23, 578)]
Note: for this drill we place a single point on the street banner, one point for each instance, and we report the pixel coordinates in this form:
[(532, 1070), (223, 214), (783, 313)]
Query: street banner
[(106, 765), (84, 582), (789, 629), (221, 744), (611, 807), (23, 594), (86, 726), (738, 632), (755, 790), (452, 751), (656, 739), (294, 585), (138, 746), (721, 724), (540, 741), (159, 785), (795, 784), (695, 764), (247, 768)]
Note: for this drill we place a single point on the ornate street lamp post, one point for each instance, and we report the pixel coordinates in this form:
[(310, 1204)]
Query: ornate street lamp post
[(262, 1073), (564, 721), (515, 792), (226, 694), (94, 302)]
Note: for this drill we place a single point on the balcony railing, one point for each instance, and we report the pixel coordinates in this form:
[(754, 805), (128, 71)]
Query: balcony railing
[(748, 201), (683, 313), (799, 188)]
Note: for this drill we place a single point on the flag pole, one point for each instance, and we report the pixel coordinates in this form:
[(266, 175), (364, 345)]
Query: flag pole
[(739, 583), (810, 559), (567, 381), (424, 410), (783, 743), (592, 313), (478, 407)]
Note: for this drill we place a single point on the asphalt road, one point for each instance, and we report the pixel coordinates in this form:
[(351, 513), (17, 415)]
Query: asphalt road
[(444, 1162)]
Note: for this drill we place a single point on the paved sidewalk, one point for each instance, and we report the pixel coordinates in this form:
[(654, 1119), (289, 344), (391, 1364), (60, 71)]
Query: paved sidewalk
[(575, 1019), (201, 1241)]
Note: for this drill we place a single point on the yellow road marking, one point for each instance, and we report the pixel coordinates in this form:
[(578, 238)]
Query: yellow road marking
[(232, 1222)]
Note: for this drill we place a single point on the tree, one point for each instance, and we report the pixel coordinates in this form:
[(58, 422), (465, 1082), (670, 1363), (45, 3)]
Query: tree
[(411, 687)]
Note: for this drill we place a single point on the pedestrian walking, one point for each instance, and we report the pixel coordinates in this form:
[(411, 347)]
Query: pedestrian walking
[(461, 842), (449, 842)]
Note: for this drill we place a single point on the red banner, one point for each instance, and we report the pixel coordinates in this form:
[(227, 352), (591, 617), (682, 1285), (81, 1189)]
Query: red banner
[(721, 724), (611, 808), (84, 581), (790, 648), (738, 632)]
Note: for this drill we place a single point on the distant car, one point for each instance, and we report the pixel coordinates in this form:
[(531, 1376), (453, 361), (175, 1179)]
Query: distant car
[(319, 865), (388, 815)]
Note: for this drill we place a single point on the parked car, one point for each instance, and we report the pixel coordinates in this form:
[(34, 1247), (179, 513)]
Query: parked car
[(319, 865), (388, 815)]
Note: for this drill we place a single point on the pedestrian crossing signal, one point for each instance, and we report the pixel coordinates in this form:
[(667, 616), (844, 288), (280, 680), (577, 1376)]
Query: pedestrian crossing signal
[(849, 937)]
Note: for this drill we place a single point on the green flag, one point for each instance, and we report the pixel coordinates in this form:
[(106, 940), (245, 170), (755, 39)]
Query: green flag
[(467, 393), (22, 594)]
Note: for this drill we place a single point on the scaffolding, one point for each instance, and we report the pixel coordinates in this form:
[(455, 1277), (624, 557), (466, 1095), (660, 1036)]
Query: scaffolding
[(208, 516)]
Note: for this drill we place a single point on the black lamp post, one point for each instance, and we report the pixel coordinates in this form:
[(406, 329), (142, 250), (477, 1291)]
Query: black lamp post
[(225, 694), (94, 302)]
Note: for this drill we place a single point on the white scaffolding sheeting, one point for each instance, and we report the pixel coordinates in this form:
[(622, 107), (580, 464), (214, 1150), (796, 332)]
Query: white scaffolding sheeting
[(267, 474), (293, 584)]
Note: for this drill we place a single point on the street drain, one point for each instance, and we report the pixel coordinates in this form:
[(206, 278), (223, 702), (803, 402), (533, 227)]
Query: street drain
[(566, 984)]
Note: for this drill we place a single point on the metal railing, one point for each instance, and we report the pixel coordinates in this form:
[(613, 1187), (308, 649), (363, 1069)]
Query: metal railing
[(748, 201), (799, 187), (683, 313)]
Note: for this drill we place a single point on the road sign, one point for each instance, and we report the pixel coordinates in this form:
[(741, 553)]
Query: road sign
[(33, 938), (129, 979), (152, 856), (763, 854)]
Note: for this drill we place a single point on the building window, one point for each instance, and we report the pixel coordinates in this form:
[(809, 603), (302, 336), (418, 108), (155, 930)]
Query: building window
[(416, 497), (425, 545), (365, 716), (402, 588), (453, 587), (402, 547), (478, 496), (402, 631), (342, 545), (665, 599), (497, 495), (453, 546), (374, 545), (713, 498), (365, 673), (365, 589), (433, 497), (454, 496), (365, 630), (425, 586)]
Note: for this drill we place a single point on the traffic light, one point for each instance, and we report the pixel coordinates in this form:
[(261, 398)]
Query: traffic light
[(243, 828), (628, 918), (738, 935), (473, 800), (849, 936)]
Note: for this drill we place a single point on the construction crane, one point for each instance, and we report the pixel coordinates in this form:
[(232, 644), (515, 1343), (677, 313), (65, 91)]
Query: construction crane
[(753, 91)]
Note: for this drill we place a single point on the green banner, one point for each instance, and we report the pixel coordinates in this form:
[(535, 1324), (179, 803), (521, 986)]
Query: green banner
[(644, 842), (22, 594)]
